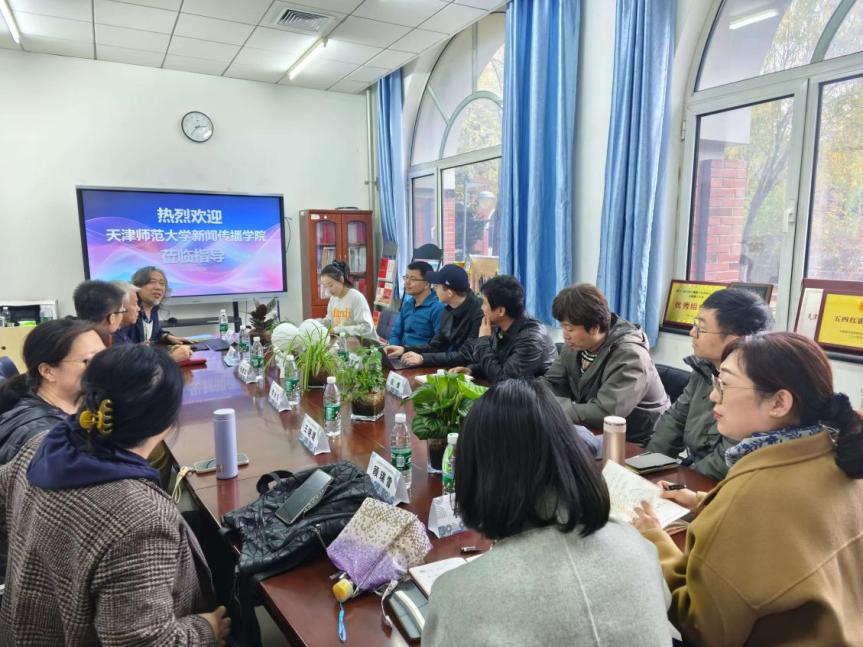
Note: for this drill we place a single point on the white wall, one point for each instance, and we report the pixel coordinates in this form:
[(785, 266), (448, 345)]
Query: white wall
[(67, 122)]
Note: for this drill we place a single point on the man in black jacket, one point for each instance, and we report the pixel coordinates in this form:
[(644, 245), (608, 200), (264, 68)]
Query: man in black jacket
[(459, 323), (511, 343)]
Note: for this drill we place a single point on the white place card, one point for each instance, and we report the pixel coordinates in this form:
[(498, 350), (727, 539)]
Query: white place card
[(398, 385), (354, 361), (313, 438), (387, 480), (443, 520), (278, 398), (246, 373)]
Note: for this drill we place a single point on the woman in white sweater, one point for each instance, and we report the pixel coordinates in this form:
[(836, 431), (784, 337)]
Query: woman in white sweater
[(561, 573), (348, 311)]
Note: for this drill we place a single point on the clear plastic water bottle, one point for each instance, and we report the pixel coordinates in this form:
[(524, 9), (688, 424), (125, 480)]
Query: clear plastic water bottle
[(243, 343), (258, 357), (448, 464), (5, 319), (46, 313), (400, 448), (332, 408), (342, 348), (291, 382), (223, 324)]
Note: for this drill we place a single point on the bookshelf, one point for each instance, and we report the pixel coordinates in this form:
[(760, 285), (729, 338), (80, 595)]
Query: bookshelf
[(327, 235)]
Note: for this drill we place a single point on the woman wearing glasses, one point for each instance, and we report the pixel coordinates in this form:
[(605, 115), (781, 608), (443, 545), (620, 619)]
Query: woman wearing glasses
[(689, 424), (56, 354), (774, 553)]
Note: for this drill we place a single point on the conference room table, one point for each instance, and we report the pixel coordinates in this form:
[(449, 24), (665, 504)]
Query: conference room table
[(300, 601)]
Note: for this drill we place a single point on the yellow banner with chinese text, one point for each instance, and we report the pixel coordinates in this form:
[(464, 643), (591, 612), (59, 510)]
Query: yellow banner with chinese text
[(841, 321), (684, 301)]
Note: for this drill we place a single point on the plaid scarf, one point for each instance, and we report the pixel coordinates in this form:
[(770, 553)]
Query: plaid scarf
[(766, 438)]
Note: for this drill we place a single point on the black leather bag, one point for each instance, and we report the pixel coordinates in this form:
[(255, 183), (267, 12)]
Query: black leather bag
[(269, 546)]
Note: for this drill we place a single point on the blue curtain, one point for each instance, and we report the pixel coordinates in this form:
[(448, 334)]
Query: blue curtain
[(630, 266), (540, 79), (392, 190)]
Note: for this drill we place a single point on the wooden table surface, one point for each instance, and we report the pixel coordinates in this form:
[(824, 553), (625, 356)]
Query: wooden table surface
[(300, 601)]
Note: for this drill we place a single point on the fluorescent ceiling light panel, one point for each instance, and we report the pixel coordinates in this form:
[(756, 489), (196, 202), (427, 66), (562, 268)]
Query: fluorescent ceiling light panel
[(752, 18), (9, 19), (305, 59)]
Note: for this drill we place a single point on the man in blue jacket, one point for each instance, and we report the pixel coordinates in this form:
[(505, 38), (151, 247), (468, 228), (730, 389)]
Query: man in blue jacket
[(419, 317)]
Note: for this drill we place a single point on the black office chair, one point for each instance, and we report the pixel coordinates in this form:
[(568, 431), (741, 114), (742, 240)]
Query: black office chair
[(7, 368), (673, 379), (428, 252)]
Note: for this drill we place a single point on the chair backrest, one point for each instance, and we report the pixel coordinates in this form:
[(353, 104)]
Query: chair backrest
[(428, 252), (673, 379), (386, 321), (7, 368)]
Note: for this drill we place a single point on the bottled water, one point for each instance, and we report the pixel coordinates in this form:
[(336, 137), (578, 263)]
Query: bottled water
[(5, 318), (342, 348), (258, 357), (332, 408), (46, 313), (243, 343), (449, 464), (291, 382), (223, 324), (400, 448)]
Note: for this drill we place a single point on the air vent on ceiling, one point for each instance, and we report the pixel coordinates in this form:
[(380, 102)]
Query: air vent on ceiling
[(304, 21)]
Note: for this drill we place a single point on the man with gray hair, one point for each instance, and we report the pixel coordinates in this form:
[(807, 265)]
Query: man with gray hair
[(133, 311)]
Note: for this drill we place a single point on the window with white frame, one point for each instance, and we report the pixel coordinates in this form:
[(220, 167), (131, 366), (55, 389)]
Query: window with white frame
[(455, 154), (774, 148)]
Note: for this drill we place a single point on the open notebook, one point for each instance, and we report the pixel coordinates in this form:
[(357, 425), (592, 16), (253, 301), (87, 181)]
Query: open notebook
[(425, 574), (628, 490)]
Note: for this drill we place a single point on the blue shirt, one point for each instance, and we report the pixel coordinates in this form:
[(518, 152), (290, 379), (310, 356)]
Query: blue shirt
[(416, 325)]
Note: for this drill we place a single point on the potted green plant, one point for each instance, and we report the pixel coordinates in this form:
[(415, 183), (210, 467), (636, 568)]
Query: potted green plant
[(361, 379), (440, 405)]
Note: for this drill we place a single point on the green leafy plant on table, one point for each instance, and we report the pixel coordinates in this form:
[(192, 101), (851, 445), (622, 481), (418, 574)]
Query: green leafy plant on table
[(362, 381), (440, 406)]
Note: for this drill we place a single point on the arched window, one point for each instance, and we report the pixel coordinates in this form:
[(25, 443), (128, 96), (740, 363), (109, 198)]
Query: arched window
[(455, 154), (773, 179)]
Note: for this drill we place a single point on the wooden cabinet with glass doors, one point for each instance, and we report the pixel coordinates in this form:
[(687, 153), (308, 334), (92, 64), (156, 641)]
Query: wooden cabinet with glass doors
[(328, 235)]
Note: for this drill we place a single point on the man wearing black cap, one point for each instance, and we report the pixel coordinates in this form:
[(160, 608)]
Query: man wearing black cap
[(459, 322)]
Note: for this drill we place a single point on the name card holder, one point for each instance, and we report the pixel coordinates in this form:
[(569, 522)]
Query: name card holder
[(387, 480), (278, 398), (398, 385), (443, 521), (313, 438), (246, 373)]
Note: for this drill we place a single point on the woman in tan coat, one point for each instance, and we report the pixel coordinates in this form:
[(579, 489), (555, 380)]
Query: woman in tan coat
[(98, 553), (775, 553)]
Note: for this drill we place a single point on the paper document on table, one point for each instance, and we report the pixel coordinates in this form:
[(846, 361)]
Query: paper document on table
[(425, 574), (628, 490)]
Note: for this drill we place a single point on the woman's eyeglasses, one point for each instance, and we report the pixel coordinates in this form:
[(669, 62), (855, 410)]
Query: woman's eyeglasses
[(720, 387)]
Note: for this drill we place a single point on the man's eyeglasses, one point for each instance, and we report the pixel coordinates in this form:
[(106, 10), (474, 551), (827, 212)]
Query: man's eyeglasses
[(412, 279), (118, 312), (720, 387), (696, 325)]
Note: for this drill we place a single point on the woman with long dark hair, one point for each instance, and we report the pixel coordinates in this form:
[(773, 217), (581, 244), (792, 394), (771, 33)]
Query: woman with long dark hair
[(775, 552), (56, 354), (560, 572), (98, 552), (347, 311)]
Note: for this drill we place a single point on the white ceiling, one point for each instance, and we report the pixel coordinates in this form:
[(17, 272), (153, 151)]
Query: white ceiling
[(367, 39)]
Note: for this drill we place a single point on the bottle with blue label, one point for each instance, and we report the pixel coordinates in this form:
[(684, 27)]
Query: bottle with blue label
[(342, 347), (243, 346)]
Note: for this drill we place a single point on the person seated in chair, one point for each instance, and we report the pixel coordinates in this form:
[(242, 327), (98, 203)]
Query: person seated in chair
[(511, 343), (130, 317), (459, 321), (420, 314), (153, 288), (605, 368), (100, 303), (99, 553), (689, 424)]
